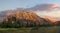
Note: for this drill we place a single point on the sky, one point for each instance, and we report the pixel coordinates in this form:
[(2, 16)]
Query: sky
[(13, 4)]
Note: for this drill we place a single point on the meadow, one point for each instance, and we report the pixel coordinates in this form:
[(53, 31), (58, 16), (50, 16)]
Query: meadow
[(53, 29)]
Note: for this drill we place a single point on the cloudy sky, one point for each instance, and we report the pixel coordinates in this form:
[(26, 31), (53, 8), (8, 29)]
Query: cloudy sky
[(49, 7), (13, 4)]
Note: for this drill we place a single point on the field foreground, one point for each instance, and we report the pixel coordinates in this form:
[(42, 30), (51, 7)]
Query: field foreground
[(54, 29)]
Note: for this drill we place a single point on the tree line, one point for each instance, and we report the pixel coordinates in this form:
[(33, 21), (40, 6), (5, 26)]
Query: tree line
[(24, 23)]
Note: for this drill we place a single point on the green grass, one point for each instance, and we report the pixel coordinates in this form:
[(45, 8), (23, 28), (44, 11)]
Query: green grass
[(30, 30)]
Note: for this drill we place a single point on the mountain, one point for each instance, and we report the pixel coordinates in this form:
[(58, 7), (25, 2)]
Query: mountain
[(26, 17)]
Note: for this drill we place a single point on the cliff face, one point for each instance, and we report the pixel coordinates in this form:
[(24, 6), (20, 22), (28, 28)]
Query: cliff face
[(24, 15)]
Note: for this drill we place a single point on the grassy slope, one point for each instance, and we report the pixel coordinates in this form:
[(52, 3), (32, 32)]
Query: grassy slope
[(30, 30)]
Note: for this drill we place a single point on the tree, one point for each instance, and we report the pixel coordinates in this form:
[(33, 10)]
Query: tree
[(3, 24)]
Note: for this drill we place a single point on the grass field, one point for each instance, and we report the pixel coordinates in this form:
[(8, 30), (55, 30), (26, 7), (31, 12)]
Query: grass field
[(54, 29)]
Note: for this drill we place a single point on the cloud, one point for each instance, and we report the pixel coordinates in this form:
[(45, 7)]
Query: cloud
[(44, 7)]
